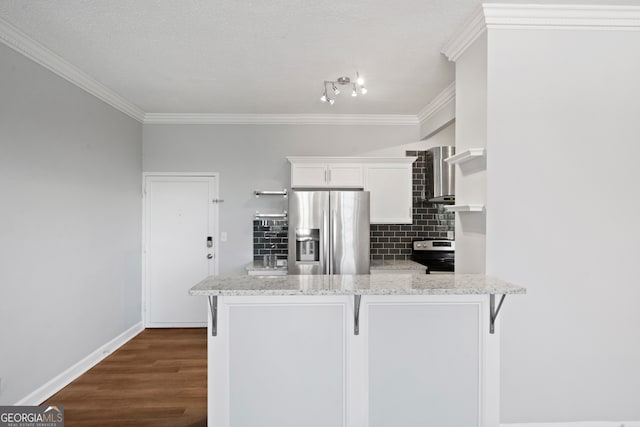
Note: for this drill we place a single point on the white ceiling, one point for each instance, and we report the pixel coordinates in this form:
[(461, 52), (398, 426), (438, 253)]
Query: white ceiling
[(254, 57)]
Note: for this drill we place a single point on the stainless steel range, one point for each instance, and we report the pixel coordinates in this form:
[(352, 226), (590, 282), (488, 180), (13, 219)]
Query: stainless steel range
[(437, 255)]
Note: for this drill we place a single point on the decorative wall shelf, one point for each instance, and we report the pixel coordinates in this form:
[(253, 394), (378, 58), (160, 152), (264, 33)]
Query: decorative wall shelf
[(465, 156), (464, 208), (282, 193)]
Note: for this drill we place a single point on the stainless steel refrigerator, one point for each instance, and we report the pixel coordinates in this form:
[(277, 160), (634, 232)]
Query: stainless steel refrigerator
[(328, 232)]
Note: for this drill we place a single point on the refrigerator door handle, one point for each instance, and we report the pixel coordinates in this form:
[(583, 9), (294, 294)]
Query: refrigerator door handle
[(325, 244), (332, 229)]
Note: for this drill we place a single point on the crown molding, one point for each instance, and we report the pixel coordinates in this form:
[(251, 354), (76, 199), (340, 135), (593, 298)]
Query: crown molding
[(541, 16), (562, 17), (279, 119), (438, 103), (473, 28), (20, 42)]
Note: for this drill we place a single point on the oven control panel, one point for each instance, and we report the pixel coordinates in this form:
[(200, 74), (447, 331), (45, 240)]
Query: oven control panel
[(434, 245)]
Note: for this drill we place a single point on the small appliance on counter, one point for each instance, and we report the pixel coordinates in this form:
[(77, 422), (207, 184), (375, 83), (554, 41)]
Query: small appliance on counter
[(437, 255), (328, 232)]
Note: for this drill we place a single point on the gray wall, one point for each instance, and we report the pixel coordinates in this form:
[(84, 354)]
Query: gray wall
[(70, 226), (251, 157), (563, 220)]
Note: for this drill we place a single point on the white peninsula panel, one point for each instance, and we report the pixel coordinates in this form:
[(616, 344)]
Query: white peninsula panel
[(279, 361), (423, 362)]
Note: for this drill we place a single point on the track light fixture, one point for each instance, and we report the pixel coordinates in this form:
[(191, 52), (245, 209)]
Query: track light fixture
[(357, 87)]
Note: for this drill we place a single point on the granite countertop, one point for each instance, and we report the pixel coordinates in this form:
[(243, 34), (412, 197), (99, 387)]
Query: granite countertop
[(259, 266), (364, 284), (391, 264)]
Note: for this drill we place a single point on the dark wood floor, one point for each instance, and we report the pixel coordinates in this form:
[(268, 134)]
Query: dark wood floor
[(159, 378)]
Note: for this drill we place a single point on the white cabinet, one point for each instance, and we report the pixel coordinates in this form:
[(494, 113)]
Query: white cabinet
[(388, 179), (313, 174), (345, 176), (308, 175), (391, 188)]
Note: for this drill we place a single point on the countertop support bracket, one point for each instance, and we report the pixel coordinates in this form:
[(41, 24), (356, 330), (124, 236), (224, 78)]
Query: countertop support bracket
[(213, 305), (494, 311), (356, 314)]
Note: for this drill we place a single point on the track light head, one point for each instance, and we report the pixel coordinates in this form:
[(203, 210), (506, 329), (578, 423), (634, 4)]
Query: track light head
[(357, 86)]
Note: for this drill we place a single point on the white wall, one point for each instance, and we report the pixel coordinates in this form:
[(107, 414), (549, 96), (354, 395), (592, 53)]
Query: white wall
[(70, 170), (439, 120), (563, 220), (471, 132), (444, 136), (251, 157)]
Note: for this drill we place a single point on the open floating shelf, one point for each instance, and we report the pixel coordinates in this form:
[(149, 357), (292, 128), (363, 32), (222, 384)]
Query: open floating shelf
[(470, 154), (464, 208)]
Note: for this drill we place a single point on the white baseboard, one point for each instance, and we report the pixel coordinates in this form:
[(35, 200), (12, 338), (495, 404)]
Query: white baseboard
[(578, 424), (60, 381), (176, 325)]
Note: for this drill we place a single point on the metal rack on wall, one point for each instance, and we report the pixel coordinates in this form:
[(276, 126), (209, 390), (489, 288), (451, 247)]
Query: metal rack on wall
[(284, 193), (264, 217), (260, 216)]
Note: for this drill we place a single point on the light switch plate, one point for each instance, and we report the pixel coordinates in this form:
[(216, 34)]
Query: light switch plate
[(223, 236)]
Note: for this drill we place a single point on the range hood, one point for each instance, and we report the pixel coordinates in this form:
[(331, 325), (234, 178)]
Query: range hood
[(443, 179)]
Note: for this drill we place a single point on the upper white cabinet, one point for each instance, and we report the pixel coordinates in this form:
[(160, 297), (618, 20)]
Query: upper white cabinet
[(314, 172), (308, 175), (388, 179), (345, 175), (391, 189)]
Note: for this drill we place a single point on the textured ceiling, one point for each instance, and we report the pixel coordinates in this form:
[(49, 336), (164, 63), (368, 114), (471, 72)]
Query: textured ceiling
[(249, 56)]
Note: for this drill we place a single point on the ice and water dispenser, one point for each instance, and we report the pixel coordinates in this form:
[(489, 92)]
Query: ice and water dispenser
[(308, 244)]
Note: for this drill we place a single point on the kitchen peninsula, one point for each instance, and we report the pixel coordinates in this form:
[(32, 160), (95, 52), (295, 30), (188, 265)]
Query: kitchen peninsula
[(353, 350)]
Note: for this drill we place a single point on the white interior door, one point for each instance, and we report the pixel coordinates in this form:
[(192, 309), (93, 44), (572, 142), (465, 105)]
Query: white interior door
[(180, 223)]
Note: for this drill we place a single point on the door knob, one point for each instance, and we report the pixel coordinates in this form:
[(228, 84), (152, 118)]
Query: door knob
[(209, 256)]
